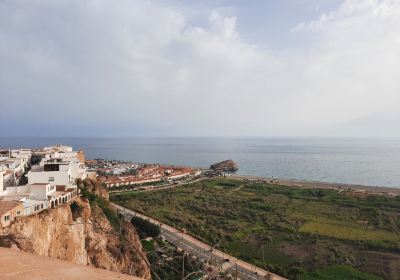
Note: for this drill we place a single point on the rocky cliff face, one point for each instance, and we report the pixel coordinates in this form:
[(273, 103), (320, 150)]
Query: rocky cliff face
[(89, 239)]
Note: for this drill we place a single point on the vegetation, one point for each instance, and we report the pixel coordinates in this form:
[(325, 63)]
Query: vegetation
[(299, 233), (35, 159), (88, 194), (145, 228), (91, 191), (76, 210), (167, 262), (339, 272), (111, 215)]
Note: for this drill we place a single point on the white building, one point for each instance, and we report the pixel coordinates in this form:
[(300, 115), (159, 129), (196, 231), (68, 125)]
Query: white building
[(1, 182), (62, 195), (42, 190), (15, 164), (55, 172), (50, 183), (40, 196), (58, 148), (16, 192), (74, 158), (8, 178), (197, 173), (23, 154), (13, 169), (33, 205)]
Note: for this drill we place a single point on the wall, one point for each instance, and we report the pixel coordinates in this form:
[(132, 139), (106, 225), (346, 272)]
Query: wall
[(1, 182), (17, 190), (42, 191), (13, 213), (60, 177), (3, 221)]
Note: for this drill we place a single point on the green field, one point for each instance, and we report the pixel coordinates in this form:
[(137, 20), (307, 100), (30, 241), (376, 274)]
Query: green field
[(298, 233)]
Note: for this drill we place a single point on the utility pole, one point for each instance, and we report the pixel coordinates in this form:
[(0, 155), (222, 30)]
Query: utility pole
[(183, 265), (237, 272)]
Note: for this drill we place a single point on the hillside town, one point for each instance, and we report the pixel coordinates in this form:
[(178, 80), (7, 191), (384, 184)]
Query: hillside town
[(35, 180), (32, 180), (116, 174)]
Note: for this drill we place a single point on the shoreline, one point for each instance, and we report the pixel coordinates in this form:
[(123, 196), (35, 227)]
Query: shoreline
[(355, 188)]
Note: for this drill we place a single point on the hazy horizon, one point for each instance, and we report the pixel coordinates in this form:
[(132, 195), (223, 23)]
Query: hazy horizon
[(201, 136), (225, 68)]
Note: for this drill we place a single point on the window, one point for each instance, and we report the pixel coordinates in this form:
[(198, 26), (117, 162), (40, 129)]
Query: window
[(7, 218), (18, 212), (51, 179), (51, 167)]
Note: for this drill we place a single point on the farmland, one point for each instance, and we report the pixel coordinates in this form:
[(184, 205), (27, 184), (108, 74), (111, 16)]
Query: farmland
[(299, 233)]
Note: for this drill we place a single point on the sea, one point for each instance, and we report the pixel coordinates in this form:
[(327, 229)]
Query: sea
[(374, 162)]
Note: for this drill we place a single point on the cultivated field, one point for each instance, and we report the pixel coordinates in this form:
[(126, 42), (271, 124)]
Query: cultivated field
[(295, 232)]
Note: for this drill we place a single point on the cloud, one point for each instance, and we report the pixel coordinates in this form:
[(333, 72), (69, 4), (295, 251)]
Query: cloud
[(143, 67)]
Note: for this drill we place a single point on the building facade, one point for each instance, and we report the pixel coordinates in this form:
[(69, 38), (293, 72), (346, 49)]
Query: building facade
[(9, 211)]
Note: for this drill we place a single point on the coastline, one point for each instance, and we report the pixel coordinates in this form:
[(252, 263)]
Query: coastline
[(340, 187)]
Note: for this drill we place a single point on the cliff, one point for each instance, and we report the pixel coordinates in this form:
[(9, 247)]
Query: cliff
[(87, 238)]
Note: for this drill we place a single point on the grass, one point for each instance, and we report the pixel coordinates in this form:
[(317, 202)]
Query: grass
[(338, 272), (289, 230), (349, 233)]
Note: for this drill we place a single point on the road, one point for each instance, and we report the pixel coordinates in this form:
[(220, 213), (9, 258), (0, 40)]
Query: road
[(203, 251)]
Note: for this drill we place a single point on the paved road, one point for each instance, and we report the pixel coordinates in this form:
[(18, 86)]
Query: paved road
[(197, 248)]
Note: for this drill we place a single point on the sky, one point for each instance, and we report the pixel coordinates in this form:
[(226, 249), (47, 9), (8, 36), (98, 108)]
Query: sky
[(326, 68)]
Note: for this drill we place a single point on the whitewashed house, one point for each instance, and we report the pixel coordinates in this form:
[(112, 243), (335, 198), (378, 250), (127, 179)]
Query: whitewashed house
[(55, 172), (32, 205), (23, 154), (40, 196), (8, 178), (42, 190), (59, 148), (1, 182), (74, 158)]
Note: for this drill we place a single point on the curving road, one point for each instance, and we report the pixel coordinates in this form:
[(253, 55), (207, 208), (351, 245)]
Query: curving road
[(200, 249)]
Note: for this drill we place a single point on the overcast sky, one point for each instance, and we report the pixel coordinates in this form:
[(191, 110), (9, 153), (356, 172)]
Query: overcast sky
[(200, 68)]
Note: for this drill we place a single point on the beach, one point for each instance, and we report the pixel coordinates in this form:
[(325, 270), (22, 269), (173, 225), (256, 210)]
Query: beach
[(340, 187)]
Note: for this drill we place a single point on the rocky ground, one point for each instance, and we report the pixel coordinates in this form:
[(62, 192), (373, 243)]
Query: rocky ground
[(18, 265)]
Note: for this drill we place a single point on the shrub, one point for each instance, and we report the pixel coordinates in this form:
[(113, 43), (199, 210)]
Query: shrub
[(145, 228), (76, 210), (110, 214), (88, 195)]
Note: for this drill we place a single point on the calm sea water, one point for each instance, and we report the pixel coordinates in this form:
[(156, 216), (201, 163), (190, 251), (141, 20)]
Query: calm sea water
[(358, 161)]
